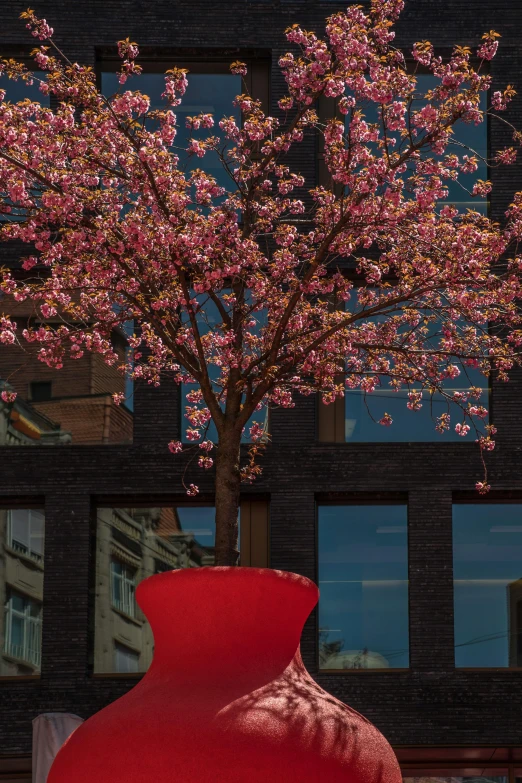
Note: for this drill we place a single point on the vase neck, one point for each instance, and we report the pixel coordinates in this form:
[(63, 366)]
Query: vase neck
[(212, 624)]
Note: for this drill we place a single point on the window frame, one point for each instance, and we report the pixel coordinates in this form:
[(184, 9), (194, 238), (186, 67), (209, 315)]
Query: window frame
[(327, 109), (361, 499), (470, 499), (127, 587), (31, 625), (35, 557), (254, 553)]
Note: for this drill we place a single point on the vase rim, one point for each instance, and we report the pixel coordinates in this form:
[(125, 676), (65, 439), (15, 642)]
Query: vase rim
[(228, 573)]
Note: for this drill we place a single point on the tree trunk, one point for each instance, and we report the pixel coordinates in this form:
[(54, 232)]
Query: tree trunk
[(228, 481)]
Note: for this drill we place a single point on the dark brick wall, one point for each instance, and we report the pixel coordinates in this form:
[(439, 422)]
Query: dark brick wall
[(430, 704)]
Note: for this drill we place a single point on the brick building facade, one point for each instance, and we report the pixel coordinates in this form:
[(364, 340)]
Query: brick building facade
[(444, 719)]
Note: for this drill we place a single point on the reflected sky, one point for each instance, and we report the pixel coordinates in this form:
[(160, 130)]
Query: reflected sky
[(362, 412), (474, 137), (487, 572), (363, 579), (19, 90), (210, 93)]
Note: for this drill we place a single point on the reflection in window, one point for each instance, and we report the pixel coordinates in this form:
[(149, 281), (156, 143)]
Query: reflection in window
[(362, 412), (208, 93), (19, 90), (132, 544), (126, 661), (21, 590), (487, 573), (363, 579), (467, 139), (57, 407), (123, 587)]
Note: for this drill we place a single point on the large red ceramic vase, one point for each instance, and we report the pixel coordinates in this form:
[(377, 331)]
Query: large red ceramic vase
[(227, 697)]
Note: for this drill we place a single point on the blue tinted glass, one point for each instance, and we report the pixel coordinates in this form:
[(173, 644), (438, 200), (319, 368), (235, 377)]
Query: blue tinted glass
[(208, 319), (487, 573), (408, 426), (474, 137), (210, 93), (199, 522), (17, 631), (363, 579), (19, 90)]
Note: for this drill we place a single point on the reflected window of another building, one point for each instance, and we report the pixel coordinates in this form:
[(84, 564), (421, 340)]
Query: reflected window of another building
[(135, 543), (21, 591), (487, 574), (41, 390), (363, 579), (126, 661), (123, 587), (23, 624)]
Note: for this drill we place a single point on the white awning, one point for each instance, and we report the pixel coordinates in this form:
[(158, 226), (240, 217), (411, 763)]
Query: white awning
[(50, 730)]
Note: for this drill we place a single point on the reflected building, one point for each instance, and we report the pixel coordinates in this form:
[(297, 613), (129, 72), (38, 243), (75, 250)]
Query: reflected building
[(21, 590), (21, 424), (76, 399), (132, 544)]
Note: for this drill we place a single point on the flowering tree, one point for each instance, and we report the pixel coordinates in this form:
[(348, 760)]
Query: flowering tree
[(119, 230)]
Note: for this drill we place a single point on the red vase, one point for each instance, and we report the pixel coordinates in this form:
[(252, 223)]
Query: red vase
[(227, 697)]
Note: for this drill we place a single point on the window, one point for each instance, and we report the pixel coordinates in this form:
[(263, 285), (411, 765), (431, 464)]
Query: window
[(207, 92), (467, 139), (41, 390), (19, 90), (134, 543), (123, 586), (126, 661), (25, 532), (487, 574), (21, 586), (363, 579), (355, 418), (23, 629)]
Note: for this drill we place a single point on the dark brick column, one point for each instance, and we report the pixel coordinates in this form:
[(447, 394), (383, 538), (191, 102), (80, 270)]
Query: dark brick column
[(431, 579), (66, 587)]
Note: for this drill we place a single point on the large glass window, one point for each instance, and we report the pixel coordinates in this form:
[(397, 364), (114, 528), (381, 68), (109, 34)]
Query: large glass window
[(21, 590), (487, 573), (134, 543), (19, 90), (363, 411), (207, 93), (467, 139), (363, 579)]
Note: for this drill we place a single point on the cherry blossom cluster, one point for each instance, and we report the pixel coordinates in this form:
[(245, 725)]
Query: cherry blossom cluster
[(240, 290)]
